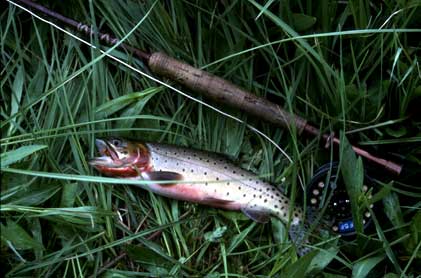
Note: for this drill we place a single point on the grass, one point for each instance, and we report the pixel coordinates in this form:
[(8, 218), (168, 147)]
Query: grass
[(350, 67)]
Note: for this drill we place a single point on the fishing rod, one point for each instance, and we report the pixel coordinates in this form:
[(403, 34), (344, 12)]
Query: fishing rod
[(218, 89)]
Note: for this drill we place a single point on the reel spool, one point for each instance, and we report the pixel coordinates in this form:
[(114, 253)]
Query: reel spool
[(328, 181)]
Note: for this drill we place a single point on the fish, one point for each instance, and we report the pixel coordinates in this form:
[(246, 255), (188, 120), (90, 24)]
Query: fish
[(201, 177)]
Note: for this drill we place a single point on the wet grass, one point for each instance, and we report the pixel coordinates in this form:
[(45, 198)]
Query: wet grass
[(349, 67)]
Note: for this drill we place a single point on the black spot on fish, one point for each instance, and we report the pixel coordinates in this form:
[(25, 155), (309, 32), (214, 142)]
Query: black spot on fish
[(267, 189), (228, 183), (225, 167), (254, 195), (265, 200), (184, 170), (228, 193), (192, 170), (234, 172), (260, 196), (244, 195), (166, 161), (239, 188), (260, 190), (206, 183), (276, 206), (257, 182), (285, 214), (217, 178), (277, 194), (205, 173)]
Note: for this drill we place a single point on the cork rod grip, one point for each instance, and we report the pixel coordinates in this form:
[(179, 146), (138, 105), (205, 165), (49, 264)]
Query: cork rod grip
[(222, 91)]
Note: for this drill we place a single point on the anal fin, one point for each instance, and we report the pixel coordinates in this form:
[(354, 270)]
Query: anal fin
[(256, 214)]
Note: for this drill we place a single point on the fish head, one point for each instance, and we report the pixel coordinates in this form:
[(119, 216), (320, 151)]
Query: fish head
[(119, 157)]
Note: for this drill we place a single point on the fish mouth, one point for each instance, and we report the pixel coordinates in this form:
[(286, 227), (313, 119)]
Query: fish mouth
[(108, 154)]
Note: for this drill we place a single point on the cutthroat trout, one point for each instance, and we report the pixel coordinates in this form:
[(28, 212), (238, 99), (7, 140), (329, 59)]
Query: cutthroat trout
[(199, 177)]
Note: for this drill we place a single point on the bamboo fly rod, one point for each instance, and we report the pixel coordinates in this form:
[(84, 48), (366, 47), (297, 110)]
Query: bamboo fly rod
[(218, 89)]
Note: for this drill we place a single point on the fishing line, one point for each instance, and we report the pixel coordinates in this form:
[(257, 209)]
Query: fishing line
[(156, 79)]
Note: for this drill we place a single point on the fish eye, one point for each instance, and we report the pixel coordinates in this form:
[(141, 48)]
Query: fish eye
[(116, 142)]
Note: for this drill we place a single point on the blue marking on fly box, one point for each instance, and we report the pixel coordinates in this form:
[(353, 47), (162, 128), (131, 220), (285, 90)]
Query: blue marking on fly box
[(346, 226)]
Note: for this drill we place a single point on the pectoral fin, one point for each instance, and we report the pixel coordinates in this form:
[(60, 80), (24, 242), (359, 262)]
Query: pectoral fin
[(256, 214), (217, 200), (163, 176)]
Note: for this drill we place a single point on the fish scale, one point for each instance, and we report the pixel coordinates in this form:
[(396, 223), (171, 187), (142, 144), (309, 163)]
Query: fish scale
[(199, 177), (218, 180)]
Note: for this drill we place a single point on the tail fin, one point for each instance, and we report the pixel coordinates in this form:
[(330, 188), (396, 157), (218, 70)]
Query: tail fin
[(299, 232)]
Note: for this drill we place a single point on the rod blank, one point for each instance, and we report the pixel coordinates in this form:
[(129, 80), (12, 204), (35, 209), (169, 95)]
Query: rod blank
[(223, 91)]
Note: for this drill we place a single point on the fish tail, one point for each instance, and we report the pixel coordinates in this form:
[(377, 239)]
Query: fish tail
[(299, 232)]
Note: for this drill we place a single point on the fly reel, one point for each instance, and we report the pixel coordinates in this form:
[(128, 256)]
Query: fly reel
[(327, 188)]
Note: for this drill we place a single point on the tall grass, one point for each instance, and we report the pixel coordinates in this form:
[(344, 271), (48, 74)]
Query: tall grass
[(350, 67)]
